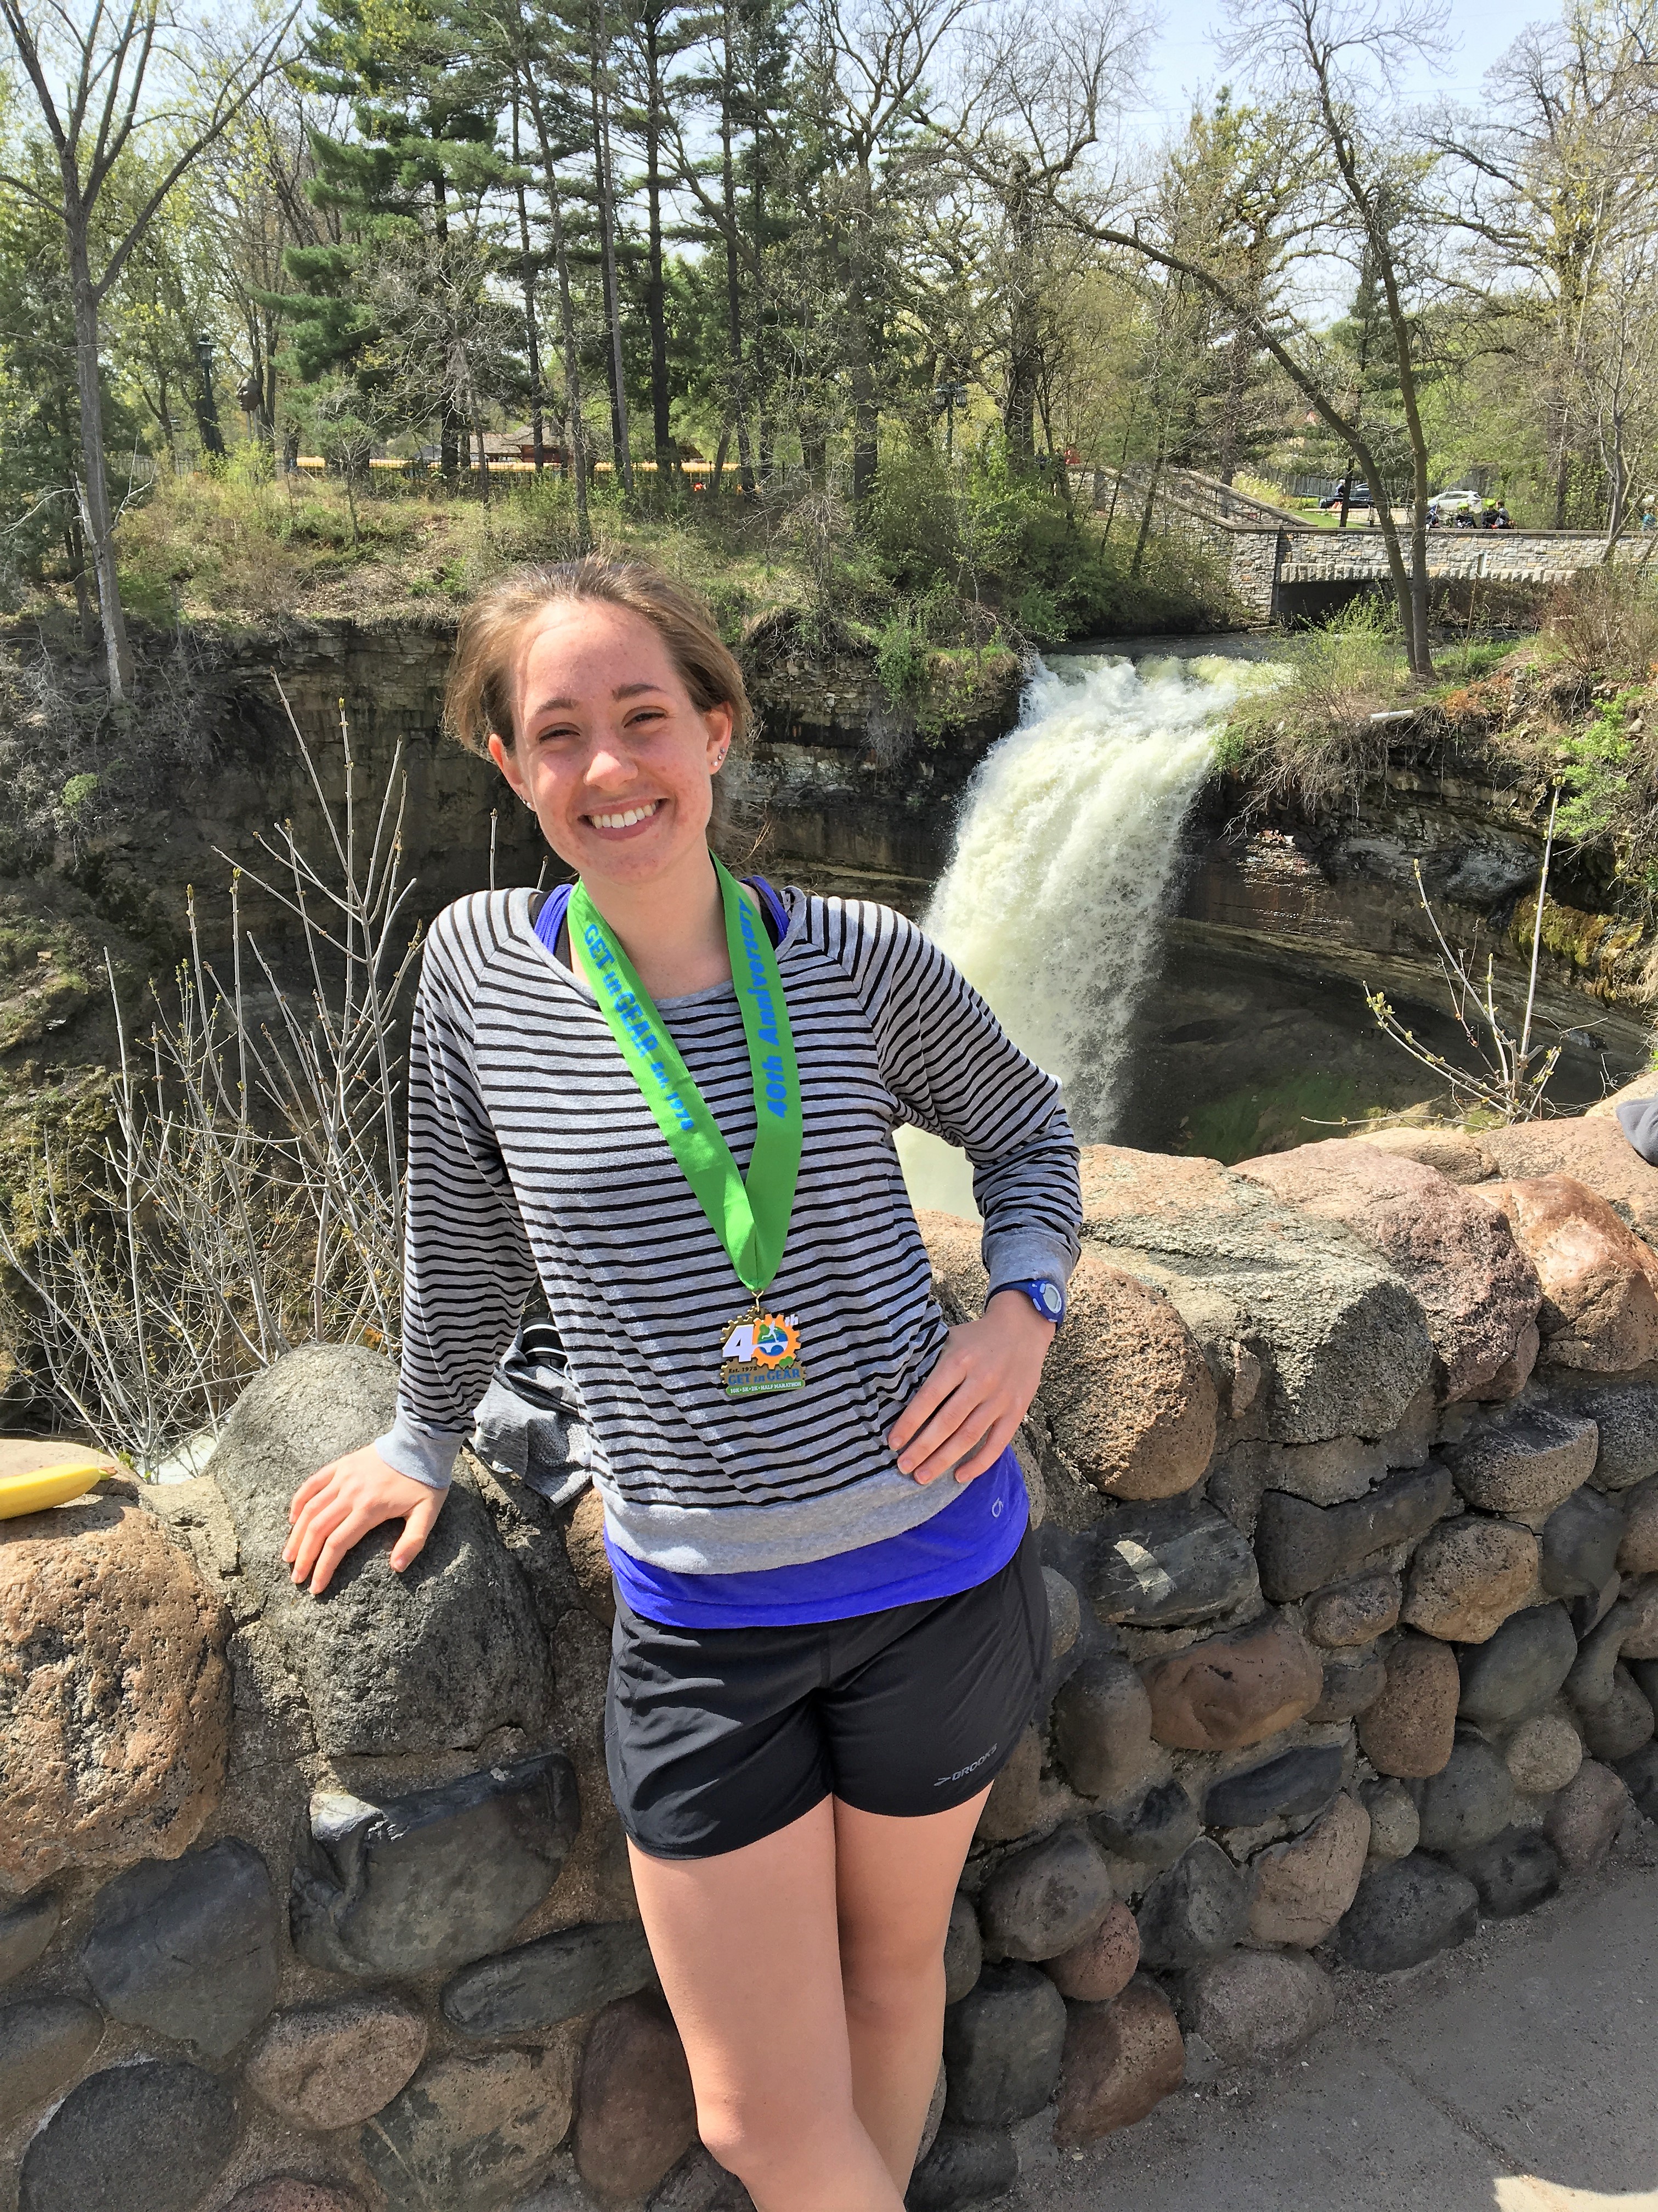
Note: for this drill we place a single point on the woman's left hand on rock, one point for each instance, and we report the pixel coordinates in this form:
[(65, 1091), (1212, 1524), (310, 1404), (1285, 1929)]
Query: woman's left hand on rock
[(966, 1413)]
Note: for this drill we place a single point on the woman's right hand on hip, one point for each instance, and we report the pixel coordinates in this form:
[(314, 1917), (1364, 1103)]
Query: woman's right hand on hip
[(342, 1502)]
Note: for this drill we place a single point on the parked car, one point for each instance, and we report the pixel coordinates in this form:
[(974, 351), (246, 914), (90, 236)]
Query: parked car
[(1449, 502), (1358, 497)]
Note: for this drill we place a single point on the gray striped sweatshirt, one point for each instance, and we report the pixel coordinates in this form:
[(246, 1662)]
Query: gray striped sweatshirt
[(533, 1154)]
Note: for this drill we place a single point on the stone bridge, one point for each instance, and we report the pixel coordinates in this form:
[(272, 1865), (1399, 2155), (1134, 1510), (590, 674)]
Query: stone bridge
[(1278, 566)]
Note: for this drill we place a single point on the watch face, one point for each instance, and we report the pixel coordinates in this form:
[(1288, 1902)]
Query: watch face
[(1051, 1298)]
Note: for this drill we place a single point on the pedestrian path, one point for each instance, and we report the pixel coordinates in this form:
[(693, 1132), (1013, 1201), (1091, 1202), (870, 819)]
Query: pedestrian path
[(1518, 2073)]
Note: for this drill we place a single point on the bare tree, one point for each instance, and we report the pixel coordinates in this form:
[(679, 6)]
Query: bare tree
[(870, 66), (249, 1196), (92, 74), (1514, 1070), (445, 338), (1331, 60), (1551, 186), (1037, 85)]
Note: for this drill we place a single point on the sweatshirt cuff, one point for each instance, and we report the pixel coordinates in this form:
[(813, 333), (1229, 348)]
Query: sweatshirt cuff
[(426, 1454), (1024, 1255)]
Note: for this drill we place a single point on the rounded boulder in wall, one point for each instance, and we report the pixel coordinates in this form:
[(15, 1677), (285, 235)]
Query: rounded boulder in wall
[(1235, 1690), (1126, 1391), (1120, 2060), (1301, 1888), (1410, 1729), (114, 1735), (1478, 1290), (436, 1658)]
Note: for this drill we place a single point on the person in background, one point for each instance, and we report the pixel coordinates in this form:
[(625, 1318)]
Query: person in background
[(1500, 517)]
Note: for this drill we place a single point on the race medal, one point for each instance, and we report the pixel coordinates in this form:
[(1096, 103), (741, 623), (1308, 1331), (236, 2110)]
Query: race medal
[(760, 1350), (760, 1353)]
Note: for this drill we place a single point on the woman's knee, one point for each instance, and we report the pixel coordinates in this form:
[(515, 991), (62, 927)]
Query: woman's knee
[(764, 2137)]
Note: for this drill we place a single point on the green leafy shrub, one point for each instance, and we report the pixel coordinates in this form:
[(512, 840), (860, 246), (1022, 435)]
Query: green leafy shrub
[(990, 535), (1596, 763), (901, 656), (1312, 738)]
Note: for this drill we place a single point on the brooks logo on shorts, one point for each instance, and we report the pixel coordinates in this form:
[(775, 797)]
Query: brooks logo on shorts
[(945, 1779)]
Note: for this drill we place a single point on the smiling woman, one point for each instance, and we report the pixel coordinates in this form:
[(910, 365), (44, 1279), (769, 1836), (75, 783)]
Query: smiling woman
[(652, 1094)]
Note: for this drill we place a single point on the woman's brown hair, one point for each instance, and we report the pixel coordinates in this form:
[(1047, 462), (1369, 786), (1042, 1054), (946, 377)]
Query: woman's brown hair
[(478, 700)]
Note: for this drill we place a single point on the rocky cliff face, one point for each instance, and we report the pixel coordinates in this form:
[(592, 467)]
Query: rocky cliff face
[(1283, 924), (1345, 1474), (837, 788), (1254, 1031)]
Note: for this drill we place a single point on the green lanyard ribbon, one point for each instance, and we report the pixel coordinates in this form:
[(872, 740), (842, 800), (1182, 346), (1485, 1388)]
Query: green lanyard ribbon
[(750, 1219)]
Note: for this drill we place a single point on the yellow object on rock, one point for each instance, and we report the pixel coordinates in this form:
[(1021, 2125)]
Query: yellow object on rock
[(50, 1486)]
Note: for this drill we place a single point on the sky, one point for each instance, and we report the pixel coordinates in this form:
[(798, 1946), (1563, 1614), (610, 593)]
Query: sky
[(1185, 55)]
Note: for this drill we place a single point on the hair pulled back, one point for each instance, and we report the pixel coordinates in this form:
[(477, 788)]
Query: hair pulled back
[(478, 699)]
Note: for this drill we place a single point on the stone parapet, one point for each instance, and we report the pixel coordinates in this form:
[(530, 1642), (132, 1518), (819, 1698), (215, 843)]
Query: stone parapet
[(1263, 550), (1346, 1483)]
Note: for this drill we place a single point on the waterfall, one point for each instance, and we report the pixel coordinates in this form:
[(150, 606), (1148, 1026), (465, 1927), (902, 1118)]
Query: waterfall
[(1065, 859)]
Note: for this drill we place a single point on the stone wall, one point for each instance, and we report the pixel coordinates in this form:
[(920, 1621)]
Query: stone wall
[(1346, 1474), (1275, 562), (1509, 556)]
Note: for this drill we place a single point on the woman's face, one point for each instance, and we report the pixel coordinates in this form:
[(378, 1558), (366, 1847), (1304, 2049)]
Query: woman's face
[(611, 752)]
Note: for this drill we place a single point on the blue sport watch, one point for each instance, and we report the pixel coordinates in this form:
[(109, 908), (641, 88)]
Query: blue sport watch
[(1043, 1293)]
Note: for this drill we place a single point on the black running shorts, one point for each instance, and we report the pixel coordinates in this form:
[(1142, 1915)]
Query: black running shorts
[(717, 1737)]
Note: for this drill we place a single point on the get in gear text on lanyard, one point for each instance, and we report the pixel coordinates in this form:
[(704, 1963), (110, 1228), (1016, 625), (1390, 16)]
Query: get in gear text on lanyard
[(761, 1350)]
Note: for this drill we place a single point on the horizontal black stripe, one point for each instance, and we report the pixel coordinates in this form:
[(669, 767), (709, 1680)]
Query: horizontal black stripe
[(533, 1155)]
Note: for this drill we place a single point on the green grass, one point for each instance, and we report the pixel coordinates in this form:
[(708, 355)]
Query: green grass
[(953, 562)]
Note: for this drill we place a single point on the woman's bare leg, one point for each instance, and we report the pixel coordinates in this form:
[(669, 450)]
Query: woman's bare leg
[(894, 1879), (747, 1948), (806, 1973)]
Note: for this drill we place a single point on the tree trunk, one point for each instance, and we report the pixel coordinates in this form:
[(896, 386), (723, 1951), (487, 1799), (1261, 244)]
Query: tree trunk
[(117, 653), (756, 379), (565, 320), (667, 458), (271, 336), (1559, 410), (814, 448), (1138, 562), (1617, 472), (865, 405), (85, 607), (1415, 638), (733, 268), (601, 121), (207, 407), (1019, 418), (452, 435), (1122, 463), (1231, 412), (531, 330)]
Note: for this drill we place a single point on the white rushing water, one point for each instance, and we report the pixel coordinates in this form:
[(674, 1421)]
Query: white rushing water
[(1064, 859)]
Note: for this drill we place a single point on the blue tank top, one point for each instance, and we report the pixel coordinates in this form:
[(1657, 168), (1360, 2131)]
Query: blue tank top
[(964, 1544)]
